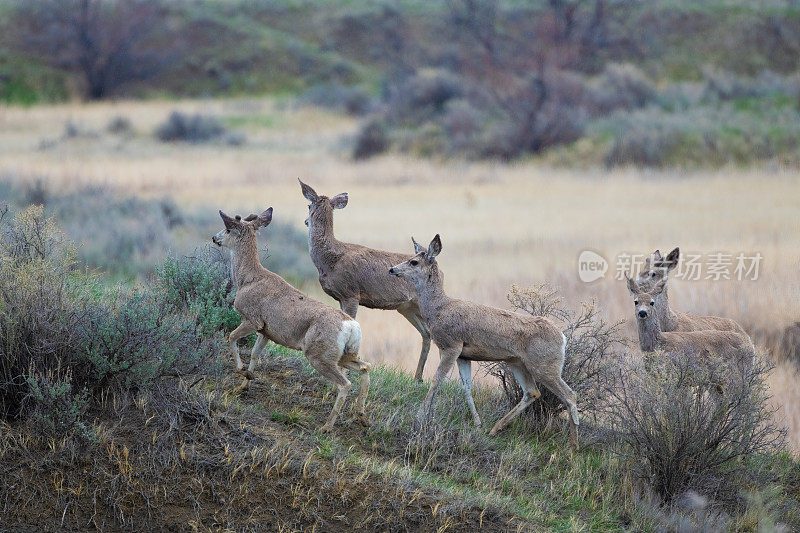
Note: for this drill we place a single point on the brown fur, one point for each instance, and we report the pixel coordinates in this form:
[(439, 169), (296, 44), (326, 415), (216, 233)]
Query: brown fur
[(532, 346), (356, 275), (278, 312), (706, 343), (657, 268)]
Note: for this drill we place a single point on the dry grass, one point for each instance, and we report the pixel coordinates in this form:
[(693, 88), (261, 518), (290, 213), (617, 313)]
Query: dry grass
[(500, 224)]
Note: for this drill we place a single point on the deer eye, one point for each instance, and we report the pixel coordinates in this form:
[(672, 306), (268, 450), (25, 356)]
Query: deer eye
[(636, 302), (652, 303), (414, 262)]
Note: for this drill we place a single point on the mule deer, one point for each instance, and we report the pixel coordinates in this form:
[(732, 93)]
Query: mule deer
[(356, 275), (656, 269), (705, 343), (532, 346), (278, 312)]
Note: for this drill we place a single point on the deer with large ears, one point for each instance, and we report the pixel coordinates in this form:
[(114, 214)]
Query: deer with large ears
[(278, 312), (356, 275), (704, 343), (532, 346), (657, 268)]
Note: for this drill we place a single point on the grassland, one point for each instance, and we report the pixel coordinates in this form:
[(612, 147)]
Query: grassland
[(521, 224)]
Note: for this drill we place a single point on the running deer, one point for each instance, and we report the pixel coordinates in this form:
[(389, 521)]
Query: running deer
[(532, 346), (705, 343), (278, 312), (656, 269), (356, 275)]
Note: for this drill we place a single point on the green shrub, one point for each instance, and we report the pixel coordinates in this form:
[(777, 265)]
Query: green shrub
[(201, 285), (63, 335)]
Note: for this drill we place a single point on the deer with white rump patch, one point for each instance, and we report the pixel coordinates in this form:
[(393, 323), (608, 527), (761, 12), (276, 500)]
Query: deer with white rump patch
[(532, 346), (276, 311), (657, 268), (356, 275)]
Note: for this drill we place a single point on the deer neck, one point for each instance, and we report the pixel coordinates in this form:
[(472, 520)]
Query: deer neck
[(667, 318), (246, 267), (322, 244), (431, 294), (649, 334)]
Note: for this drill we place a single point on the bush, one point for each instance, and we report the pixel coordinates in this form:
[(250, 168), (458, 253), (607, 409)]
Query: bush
[(591, 352), (119, 125), (201, 285), (423, 95), (689, 424), (620, 86), (353, 100), (189, 128), (372, 140), (740, 132), (64, 336)]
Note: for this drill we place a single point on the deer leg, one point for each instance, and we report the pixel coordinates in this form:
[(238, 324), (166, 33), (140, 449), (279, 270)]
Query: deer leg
[(363, 389), (529, 394), (446, 360), (258, 348), (420, 326), (349, 306), (465, 371), (244, 329), (325, 365), (567, 396)]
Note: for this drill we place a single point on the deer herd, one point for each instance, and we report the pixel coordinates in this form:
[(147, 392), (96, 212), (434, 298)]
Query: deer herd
[(532, 347)]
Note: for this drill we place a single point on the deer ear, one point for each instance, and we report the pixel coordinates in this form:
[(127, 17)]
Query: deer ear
[(672, 259), (339, 201), (418, 248), (229, 222), (264, 219), (308, 192), (434, 248), (633, 288)]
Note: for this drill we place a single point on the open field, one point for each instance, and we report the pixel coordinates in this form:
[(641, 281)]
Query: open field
[(500, 224)]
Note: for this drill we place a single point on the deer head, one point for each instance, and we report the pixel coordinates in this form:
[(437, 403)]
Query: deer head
[(238, 232), (321, 207), (645, 300), (421, 267), (656, 268)]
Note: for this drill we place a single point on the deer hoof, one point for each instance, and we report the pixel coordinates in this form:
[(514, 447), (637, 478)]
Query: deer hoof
[(362, 418), (326, 428)]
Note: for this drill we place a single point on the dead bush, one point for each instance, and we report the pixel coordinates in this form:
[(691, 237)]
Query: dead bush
[(685, 423)]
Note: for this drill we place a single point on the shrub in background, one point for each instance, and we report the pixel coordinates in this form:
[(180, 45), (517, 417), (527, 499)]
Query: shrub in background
[(189, 128), (371, 140), (352, 99), (686, 423)]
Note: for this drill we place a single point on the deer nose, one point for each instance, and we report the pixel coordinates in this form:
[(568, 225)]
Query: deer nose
[(642, 314), (391, 270)]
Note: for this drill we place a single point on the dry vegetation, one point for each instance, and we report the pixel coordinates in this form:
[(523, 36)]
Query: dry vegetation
[(522, 224)]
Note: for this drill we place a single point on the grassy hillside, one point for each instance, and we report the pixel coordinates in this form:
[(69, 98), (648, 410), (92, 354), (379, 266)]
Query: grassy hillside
[(215, 460)]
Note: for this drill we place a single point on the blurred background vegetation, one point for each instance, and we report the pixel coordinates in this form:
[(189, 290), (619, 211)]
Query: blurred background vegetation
[(579, 82)]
